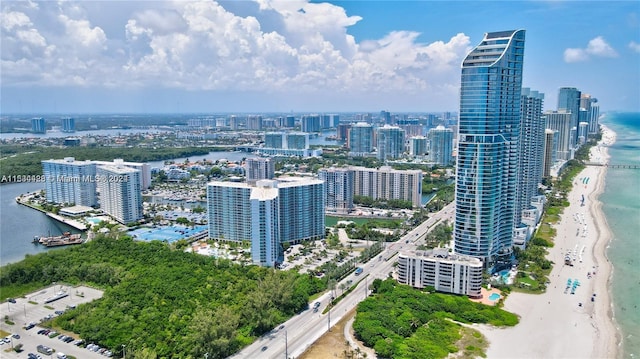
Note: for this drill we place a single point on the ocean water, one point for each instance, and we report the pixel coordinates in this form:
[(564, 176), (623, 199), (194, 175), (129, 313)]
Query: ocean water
[(621, 205)]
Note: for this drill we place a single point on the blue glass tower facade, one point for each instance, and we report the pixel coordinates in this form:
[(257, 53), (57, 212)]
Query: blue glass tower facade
[(488, 148)]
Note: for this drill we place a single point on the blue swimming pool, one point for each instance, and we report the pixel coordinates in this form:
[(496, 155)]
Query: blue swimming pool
[(494, 296)]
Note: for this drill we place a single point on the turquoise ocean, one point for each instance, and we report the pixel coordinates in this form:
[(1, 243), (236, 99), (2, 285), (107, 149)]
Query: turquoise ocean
[(621, 205)]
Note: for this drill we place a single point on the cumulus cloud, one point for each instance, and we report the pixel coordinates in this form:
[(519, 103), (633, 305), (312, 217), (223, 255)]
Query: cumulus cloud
[(275, 46), (596, 47), (634, 46)]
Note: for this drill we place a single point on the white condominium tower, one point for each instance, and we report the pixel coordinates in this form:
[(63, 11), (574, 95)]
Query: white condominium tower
[(446, 272), (488, 148), (267, 214), (387, 183), (120, 192), (68, 181)]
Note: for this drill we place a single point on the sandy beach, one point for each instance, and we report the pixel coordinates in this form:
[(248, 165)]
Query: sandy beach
[(558, 324)]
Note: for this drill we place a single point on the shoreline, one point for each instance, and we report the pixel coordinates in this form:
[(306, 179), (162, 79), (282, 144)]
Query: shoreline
[(580, 325)]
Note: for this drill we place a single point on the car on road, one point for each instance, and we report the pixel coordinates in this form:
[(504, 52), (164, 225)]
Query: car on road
[(15, 335), (264, 348), (11, 300)]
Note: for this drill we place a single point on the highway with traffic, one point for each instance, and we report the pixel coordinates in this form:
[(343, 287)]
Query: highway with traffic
[(293, 337)]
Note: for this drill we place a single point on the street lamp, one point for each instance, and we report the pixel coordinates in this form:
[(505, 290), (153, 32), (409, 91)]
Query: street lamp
[(123, 346)]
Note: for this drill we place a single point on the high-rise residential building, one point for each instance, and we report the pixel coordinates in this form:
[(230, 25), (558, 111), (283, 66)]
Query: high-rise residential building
[(297, 140), (234, 123), (145, 170), (259, 168), (338, 188), (390, 142), (360, 139), (583, 132), (68, 181), (335, 120), (441, 146), (418, 146), (488, 148), (385, 117), (38, 125), (267, 213), (254, 122), (532, 128), (68, 124), (569, 101), (388, 183), (342, 132), (310, 123), (561, 121), (290, 121), (446, 272), (120, 192), (550, 149), (590, 104), (274, 140)]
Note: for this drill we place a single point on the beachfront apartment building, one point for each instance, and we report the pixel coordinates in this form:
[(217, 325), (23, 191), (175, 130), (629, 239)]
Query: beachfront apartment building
[(560, 121), (267, 213), (339, 188), (569, 101), (388, 183), (488, 149), (444, 271), (532, 128), (68, 181), (120, 192), (550, 149)]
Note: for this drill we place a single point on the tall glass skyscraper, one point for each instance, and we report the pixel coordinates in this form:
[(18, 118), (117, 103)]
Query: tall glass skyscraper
[(488, 148)]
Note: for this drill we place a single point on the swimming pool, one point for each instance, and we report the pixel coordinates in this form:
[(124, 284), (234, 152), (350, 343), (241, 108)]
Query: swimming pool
[(494, 296)]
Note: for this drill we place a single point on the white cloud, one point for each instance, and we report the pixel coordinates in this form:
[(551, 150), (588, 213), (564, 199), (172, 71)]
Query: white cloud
[(283, 46), (575, 55), (597, 46), (634, 46)]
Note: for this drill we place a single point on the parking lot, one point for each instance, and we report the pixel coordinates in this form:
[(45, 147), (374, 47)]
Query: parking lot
[(32, 309)]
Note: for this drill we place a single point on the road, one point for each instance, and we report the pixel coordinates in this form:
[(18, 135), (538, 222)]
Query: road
[(298, 333)]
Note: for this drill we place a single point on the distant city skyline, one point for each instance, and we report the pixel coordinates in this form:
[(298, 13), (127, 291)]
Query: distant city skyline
[(301, 56)]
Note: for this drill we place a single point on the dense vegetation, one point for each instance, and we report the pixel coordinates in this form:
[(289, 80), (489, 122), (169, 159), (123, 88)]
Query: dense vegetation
[(439, 236), (26, 160), (402, 322), (382, 203), (170, 303)]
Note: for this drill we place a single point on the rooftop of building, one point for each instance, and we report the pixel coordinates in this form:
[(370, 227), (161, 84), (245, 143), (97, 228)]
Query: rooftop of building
[(441, 253)]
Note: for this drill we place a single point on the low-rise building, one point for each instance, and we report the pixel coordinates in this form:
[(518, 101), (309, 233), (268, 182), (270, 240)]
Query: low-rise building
[(446, 272)]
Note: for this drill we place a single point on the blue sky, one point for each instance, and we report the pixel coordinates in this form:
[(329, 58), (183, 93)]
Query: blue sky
[(279, 56)]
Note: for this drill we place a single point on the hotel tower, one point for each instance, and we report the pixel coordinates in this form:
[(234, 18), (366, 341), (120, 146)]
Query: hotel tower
[(488, 149)]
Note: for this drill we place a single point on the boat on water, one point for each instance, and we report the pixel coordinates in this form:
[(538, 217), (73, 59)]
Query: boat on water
[(66, 238)]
